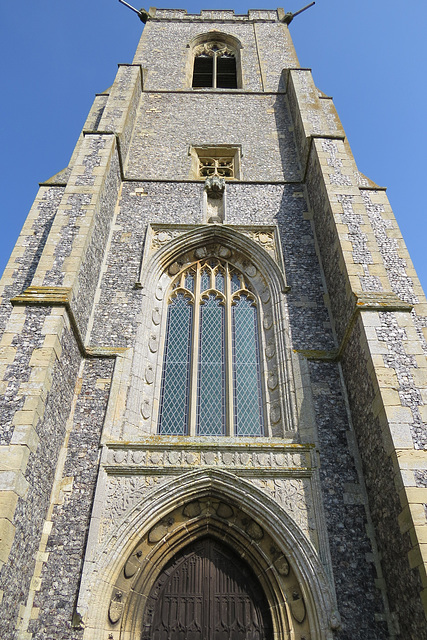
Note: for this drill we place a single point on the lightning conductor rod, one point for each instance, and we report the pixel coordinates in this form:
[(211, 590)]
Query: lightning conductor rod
[(290, 16), (143, 15)]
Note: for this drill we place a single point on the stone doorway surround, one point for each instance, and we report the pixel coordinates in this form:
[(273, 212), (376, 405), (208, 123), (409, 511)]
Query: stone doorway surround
[(123, 563)]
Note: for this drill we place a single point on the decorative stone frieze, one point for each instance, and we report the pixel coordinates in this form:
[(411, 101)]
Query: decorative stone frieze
[(266, 237), (242, 456)]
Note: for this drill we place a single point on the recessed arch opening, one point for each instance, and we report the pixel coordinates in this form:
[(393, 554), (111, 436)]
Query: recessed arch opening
[(258, 558), (189, 507), (207, 591), (175, 252), (215, 61)]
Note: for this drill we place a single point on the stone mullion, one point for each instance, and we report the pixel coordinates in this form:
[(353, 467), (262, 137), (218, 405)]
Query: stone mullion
[(230, 429), (192, 408), (214, 70)]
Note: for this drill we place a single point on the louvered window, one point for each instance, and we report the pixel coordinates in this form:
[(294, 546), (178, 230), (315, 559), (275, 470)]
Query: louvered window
[(214, 66)]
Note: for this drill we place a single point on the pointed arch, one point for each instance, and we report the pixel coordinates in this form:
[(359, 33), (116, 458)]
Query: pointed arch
[(208, 590), (260, 531), (167, 251), (229, 237), (215, 61)]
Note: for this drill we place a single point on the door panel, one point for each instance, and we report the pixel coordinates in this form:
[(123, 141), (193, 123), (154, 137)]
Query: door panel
[(207, 592)]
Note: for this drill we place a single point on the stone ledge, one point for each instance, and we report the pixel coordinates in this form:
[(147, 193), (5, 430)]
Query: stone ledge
[(364, 301), (59, 297), (175, 455), (45, 296), (381, 301)]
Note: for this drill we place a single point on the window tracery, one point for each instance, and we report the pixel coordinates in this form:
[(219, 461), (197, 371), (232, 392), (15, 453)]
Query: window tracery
[(221, 167), (221, 161), (211, 379), (214, 66)]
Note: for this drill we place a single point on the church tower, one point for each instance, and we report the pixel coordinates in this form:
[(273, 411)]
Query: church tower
[(213, 364)]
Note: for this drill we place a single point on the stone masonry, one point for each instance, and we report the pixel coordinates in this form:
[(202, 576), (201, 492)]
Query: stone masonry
[(329, 506)]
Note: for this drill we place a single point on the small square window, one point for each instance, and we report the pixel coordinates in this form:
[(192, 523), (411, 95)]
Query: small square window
[(220, 161)]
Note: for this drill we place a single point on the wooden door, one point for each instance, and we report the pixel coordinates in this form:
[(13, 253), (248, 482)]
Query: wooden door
[(207, 593)]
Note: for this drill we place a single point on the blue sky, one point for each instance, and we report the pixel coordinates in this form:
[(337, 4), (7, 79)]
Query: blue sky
[(370, 55)]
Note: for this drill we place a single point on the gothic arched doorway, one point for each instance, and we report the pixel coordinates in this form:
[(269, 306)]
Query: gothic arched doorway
[(206, 592)]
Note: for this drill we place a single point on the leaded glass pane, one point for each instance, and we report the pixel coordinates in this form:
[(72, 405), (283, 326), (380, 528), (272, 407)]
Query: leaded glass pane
[(189, 282), (173, 417), (205, 280), (211, 370), (235, 282), (219, 281), (248, 416), (208, 415)]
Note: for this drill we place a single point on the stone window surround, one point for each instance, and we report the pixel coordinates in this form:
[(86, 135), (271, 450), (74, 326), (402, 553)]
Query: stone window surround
[(223, 151), (220, 38), (214, 51)]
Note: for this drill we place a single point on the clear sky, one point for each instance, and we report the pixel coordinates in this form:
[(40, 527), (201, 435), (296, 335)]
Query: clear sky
[(370, 55)]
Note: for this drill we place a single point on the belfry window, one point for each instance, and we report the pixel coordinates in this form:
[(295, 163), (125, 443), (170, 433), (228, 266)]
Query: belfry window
[(211, 381), (214, 66)]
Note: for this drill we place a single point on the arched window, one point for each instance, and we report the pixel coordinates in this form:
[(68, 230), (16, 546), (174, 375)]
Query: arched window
[(211, 380), (214, 66)]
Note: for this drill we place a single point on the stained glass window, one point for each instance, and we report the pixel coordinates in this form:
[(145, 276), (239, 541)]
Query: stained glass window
[(211, 381)]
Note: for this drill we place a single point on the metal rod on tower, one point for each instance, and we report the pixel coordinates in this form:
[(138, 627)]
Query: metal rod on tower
[(143, 15), (290, 16), (303, 9)]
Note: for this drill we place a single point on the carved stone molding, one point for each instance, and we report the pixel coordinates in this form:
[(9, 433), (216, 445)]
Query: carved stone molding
[(295, 496), (290, 459), (265, 236), (186, 522), (215, 187), (163, 236), (214, 48), (122, 493)]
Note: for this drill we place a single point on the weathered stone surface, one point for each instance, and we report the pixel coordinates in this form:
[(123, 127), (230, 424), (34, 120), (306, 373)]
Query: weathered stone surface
[(342, 333)]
